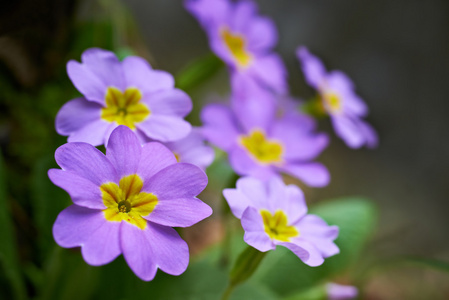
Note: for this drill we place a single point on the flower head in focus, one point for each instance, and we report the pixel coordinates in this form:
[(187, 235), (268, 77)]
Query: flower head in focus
[(126, 93), (243, 40), (261, 145), (341, 292), (125, 202), (339, 101), (275, 214)]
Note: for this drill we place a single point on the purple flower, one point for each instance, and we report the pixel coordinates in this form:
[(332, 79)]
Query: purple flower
[(242, 39), (125, 202), (192, 149), (339, 100), (126, 93), (260, 145), (275, 214), (341, 292)]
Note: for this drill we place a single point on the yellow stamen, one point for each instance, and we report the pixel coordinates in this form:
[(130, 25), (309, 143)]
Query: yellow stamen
[(237, 46), (263, 150), (126, 202), (331, 102), (124, 108), (276, 226)]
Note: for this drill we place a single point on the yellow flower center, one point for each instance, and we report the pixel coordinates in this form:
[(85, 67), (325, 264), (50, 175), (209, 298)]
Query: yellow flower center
[(276, 226), (124, 108), (236, 45), (126, 202), (265, 151), (177, 156), (331, 102)]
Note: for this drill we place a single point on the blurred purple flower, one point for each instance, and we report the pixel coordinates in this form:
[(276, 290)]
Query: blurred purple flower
[(126, 93), (341, 292), (339, 100), (275, 214), (260, 145), (125, 202), (243, 40)]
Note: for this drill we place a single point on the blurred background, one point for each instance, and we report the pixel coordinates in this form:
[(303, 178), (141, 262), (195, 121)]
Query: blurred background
[(396, 52)]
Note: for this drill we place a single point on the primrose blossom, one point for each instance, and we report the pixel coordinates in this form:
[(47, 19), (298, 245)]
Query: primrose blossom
[(341, 292), (274, 214), (125, 202), (127, 92)]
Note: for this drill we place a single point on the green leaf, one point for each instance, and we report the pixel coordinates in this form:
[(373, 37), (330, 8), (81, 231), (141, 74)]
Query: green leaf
[(8, 248), (429, 262), (284, 273), (315, 293), (198, 71)]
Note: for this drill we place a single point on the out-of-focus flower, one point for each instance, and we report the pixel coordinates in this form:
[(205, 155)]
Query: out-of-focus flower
[(126, 93), (341, 292), (339, 101), (192, 149), (125, 202), (275, 214), (243, 40), (260, 145)]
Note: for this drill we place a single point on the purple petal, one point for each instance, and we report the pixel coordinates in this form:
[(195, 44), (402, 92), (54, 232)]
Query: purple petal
[(262, 35), (209, 13), (124, 151), (371, 138), (255, 234), (138, 73), (75, 114), (172, 102), (237, 201), (220, 126), (94, 133), (243, 164), (86, 82), (312, 67), (179, 212), (242, 15), (305, 251), (177, 181), (87, 162), (341, 292), (348, 131), (270, 71), (98, 238), (156, 246), (82, 191), (154, 158), (313, 174), (255, 190), (165, 128)]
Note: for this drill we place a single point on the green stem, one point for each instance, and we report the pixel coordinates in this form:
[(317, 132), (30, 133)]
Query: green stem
[(228, 292)]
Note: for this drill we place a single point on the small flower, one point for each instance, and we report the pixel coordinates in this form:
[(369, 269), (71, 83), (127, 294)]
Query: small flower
[(125, 202), (339, 101), (242, 39), (341, 292), (192, 149), (261, 145), (275, 214), (126, 93)]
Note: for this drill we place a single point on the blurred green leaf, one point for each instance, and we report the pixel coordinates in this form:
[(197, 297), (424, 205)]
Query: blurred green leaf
[(314, 293), (198, 71), (284, 273), (429, 262), (8, 247)]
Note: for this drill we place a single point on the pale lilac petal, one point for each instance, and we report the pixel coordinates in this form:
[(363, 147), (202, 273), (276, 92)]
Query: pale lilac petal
[(86, 161), (138, 73), (124, 151), (179, 212), (98, 238), (93, 133), (315, 230), (255, 234), (209, 13), (165, 128), (237, 201), (75, 114), (305, 251), (155, 247), (86, 82), (83, 192), (313, 174), (243, 164), (173, 102), (255, 190), (341, 292), (312, 67), (105, 65), (177, 181), (270, 71), (242, 15), (220, 126), (296, 207), (154, 158), (261, 34), (348, 131), (371, 137)]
